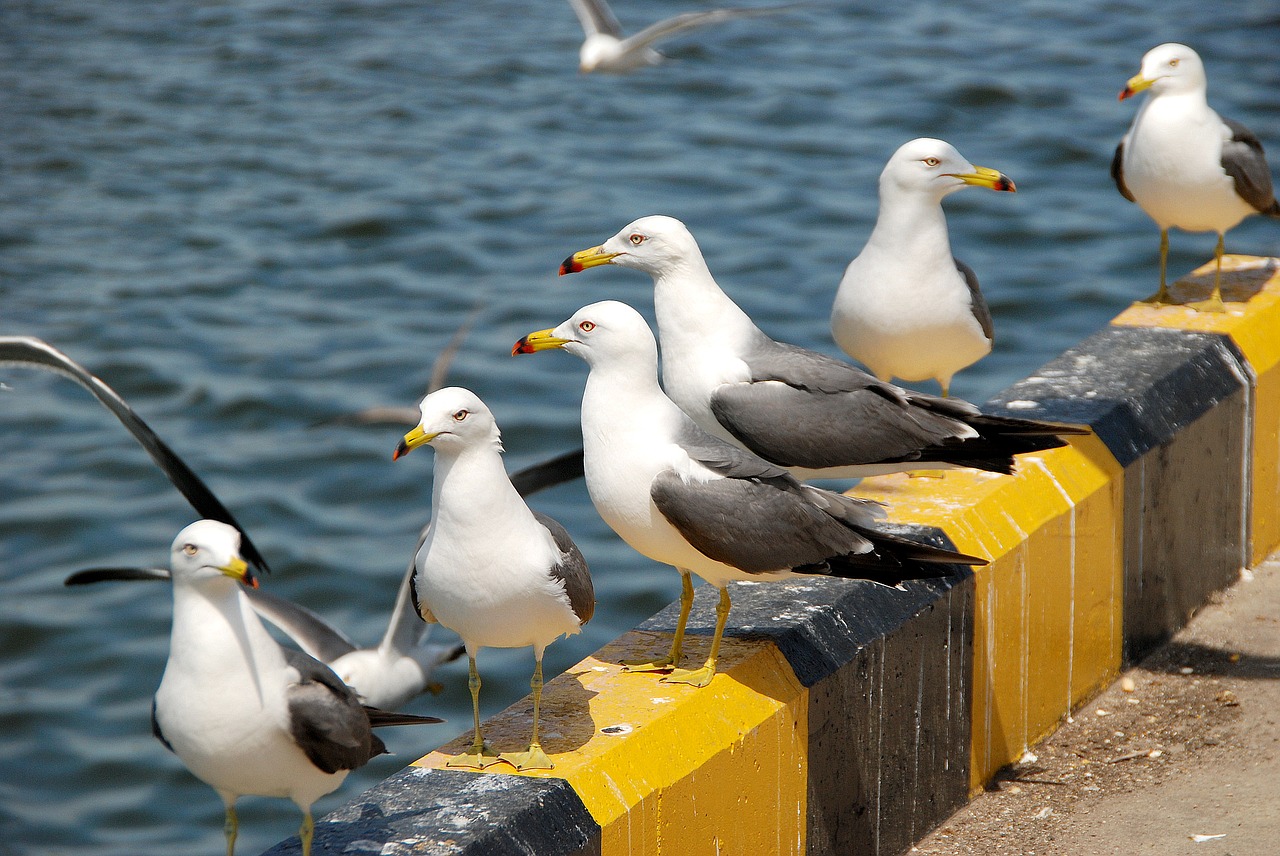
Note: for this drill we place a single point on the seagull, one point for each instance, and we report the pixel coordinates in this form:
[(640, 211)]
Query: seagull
[(1186, 166), (30, 352), (814, 415), (607, 49), (682, 497), (906, 308), (491, 570), (246, 716), (387, 675)]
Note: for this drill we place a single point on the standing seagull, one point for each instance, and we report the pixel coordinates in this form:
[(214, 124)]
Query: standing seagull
[(816, 416), (1185, 165), (607, 49), (906, 308), (243, 714), (491, 570), (680, 496), (387, 675)]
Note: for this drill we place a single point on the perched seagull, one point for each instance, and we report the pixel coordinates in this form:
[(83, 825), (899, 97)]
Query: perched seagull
[(1186, 166), (387, 675), (490, 569), (30, 352), (811, 414), (244, 715), (906, 308), (685, 498), (607, 49)]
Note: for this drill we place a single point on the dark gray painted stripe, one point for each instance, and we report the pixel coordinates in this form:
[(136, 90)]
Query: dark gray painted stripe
[(459, 814), (1135, 386)]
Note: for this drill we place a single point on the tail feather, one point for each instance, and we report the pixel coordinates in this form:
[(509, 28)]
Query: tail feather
[(379, 718)]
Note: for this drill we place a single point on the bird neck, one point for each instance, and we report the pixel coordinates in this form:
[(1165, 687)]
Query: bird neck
[(692, 309), (216, 633), (622, 395), (472, 487), (914, 225)]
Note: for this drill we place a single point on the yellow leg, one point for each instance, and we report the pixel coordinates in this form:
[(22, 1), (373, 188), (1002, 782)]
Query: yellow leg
[(306, 832), (479, 757), (1162, 296), (1214, 303), (535, 758), (672, 660), (701, 677), (231, 828)]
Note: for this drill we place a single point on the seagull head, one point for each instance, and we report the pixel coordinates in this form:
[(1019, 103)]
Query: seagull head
[(453, 419), (657, 245), (207, 550), (604, 333), (1170, 67), (934, 168)]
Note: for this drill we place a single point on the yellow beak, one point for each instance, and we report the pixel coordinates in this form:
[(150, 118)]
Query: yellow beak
[(238, 570), (584, 259), (415, 438), (986, 177), (542, 340), (1136, 84)]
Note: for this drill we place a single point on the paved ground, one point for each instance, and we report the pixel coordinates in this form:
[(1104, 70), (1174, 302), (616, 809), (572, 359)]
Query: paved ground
[(1181, 756)]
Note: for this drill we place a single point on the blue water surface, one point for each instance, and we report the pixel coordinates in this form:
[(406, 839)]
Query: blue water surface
[(254, 216)]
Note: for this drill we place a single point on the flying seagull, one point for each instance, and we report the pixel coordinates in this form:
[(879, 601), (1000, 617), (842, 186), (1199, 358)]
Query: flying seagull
[(607, 49), (246, 716), (30, 352), (1186, 166), (816, 416), (906, 308), (680, 496), (491, 570)]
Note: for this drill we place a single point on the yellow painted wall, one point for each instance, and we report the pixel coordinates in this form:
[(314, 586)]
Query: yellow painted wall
[(717, 770), (1048, 607), (1255, 328)]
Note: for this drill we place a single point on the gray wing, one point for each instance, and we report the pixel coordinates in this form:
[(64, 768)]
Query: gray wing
[(326, 719), (980, 310), (572, 571), (1244, 161), (30, 352), (693, 20), (753, 526), (311, 632), (729, 460), (825, 413), (595, 16), (1117, 172)]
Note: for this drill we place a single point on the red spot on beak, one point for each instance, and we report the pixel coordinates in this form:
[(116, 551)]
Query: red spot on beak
[(570, 266), (402, 449), (1005, 183), (250, 580), (523, 346), (1125, 93)]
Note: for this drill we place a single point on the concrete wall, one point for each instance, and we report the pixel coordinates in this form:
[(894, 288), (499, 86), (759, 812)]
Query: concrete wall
[(850, 719)]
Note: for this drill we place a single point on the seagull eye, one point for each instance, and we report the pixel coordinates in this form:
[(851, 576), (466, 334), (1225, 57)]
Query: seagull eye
[(931, 161), (587, 326), (1173, 63), (636, 240), (190, 549), (460, 415)]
